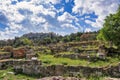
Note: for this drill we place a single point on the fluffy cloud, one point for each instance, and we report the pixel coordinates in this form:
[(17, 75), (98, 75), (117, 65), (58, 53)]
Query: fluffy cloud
[(55, 1), (66, 20), (66, 17), (101, 8), (31, 16), (88, 30), (67, 1), (23, 16)]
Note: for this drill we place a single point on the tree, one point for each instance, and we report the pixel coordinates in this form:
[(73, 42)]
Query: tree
[(22, 42), (26, 41), (111, 29), (66, 38), (47, 40)]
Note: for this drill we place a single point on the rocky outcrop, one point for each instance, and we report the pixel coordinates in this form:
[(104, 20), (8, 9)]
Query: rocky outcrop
[(108, 78)]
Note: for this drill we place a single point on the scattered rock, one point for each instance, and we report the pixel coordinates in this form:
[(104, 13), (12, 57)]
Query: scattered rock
[(112, 78), (60, 78)]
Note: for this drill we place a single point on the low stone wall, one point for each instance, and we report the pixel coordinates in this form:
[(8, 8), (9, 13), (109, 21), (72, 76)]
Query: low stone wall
[(5, 55), (34, 67), (4, 64), (84, 43), (61, 70), (76, 56), (19, 53), (27, 66)]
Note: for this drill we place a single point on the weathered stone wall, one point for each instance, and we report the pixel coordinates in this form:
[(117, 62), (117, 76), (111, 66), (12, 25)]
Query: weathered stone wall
[(84, 43), (76, 56), (67, 46), (18, 53), (5, 55), (4, 64), (60, 70), (34, 67), (27, 66)]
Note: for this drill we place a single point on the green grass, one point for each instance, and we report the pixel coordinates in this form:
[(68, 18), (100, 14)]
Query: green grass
[(54, 61), (7, 75), (51, 60)]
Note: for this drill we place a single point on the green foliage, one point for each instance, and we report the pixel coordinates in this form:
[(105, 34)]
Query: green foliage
[(45, 38), (111, 29), (66, 39), (26, 41), (22, 42)]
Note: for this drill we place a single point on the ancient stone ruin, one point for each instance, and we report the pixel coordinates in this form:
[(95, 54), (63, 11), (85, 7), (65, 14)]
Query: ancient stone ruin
[(16, 53), (35, 67)]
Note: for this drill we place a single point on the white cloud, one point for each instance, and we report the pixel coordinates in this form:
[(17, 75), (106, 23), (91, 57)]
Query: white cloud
[(66, 20), (102, 8), (25, 21), (78, 4), (55, 1), (61, 10), (42, 16), (89, 22), (67, 1), (87, 16), (69, 26), (37, 20), (88, 30), (14, 26), (66, 17)]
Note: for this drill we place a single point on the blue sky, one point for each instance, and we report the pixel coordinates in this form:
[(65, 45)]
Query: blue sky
[(18, 17)]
